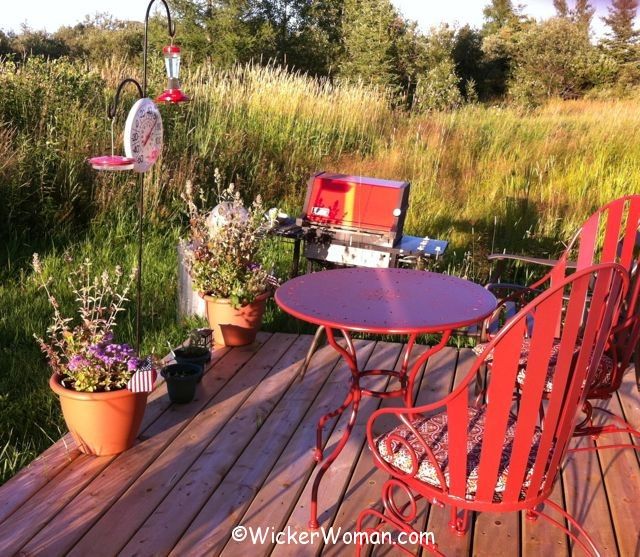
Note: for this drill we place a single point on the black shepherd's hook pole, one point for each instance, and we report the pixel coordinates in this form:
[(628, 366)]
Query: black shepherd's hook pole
[(142, 91), (111, 111), (172, 33)]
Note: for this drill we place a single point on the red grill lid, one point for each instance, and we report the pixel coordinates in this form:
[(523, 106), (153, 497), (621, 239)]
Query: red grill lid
[(356, 202)]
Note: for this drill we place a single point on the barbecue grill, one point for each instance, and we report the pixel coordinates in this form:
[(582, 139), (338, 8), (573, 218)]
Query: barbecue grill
[(358, 221), (355, 221)]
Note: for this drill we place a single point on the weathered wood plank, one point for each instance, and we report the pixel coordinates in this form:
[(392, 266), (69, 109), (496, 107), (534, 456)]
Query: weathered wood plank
[(24, 523), (621, 473), (276, 499), (586, 499), (114, 529), (337, 477), (364, 490), (35, 476), (448, 542), (540, 537), (72, 522), (223, 480)]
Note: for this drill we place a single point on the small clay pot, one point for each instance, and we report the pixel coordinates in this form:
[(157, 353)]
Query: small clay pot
[(181, 381)]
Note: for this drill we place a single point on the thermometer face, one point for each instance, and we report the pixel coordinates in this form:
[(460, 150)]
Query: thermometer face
[(143, 134)]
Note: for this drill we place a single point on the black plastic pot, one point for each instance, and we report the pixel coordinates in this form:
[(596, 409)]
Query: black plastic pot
[(181, 381), (195, 355)]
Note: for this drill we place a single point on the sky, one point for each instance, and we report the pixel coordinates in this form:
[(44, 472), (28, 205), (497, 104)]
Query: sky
[(50, 15)]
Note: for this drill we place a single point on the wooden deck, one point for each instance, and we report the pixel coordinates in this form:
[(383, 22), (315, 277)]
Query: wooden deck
[(241, 454)]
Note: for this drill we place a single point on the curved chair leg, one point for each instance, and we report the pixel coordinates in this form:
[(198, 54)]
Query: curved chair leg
[(400, 518), (619, 425), (459, 524), (587, 545)]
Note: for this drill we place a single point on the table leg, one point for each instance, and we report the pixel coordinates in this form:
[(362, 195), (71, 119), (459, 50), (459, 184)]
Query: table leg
[(322, 421), (352, 399), (313, 520), (408, 397), (312, 350)]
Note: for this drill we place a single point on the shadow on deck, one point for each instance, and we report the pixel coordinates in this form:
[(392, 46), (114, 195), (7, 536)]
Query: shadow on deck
[(241, 454)]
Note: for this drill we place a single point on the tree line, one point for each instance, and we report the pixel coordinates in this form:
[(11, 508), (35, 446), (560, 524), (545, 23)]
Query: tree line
[(512, 56)]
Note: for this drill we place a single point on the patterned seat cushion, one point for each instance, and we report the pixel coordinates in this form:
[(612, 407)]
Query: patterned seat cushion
[(603, 376), (434, 432)]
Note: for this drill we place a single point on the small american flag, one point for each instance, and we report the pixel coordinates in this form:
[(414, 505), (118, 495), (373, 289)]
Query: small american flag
[(143, 379)]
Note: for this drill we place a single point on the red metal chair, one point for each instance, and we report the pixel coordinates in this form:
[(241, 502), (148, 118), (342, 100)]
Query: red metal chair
[(612, 234), (498, 453)]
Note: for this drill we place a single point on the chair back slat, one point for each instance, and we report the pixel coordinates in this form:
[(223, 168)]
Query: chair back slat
[(533, 387), (458, 432), (630, 239), (612, 231), (588, 237), (500, 393)]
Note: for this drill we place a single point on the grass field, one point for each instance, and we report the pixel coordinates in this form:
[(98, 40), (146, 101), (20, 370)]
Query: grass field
[(482, 177)]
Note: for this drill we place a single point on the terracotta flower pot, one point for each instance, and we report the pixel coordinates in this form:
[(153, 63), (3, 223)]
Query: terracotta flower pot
[(234, 326), (101, 423)]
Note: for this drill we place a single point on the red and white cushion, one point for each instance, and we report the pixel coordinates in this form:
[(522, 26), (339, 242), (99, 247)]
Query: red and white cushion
[(434, 431), (603, 373)]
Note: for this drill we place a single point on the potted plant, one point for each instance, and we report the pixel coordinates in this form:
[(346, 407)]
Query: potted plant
[(196, 351), (225, 259), (91, 372), (181, 381)]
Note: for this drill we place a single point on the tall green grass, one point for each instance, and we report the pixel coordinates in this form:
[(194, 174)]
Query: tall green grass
[(482, 177)]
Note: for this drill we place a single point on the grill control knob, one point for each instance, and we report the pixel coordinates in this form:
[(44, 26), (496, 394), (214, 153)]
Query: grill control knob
[(397, 212)]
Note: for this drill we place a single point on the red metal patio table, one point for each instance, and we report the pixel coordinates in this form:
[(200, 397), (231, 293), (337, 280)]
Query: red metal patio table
[(380, 301)]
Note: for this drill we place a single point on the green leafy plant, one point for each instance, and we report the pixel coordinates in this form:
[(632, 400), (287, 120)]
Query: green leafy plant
[(224, 253), (82, 350)]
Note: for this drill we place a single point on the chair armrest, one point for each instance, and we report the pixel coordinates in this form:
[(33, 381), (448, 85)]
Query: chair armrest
[(527, 259)]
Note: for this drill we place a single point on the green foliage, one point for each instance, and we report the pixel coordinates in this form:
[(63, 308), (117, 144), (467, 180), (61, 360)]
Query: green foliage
[(439, 89), (99, 37), (371, 61), (622, 42), (571, 63), (225, 247)]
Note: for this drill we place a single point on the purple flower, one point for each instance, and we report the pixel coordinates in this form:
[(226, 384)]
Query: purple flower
[(112, 354), (133, 364), (77, 361)]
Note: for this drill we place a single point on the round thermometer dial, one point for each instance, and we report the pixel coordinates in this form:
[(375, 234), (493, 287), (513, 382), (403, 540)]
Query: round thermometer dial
[(143, 134)]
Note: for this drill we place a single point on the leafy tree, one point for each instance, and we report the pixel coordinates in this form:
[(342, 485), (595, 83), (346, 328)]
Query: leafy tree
[(469, 60), (498, 14), (502, 24), (323, 34), (582, 14), (5, 43), (369, 33), (30, 42), (439, 89), (622, 40), (553, 58), (223, 31), (101, 36), (562, 9)]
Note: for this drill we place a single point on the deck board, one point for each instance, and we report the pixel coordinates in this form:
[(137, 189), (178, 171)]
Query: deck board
[(241, 454)]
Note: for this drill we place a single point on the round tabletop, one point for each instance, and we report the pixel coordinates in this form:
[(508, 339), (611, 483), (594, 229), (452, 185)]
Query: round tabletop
[(399, 301)]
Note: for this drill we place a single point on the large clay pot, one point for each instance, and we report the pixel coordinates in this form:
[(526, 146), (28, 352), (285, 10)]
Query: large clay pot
[(234, 326), (101, 423)]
